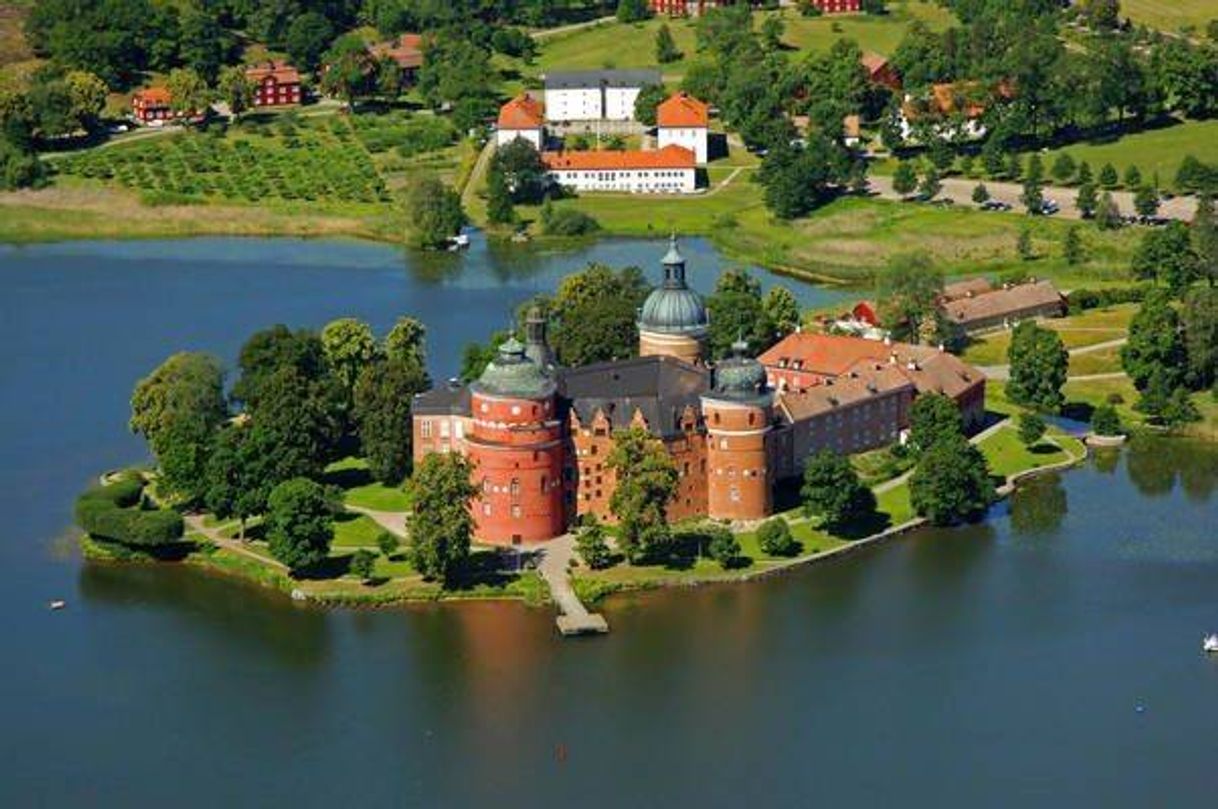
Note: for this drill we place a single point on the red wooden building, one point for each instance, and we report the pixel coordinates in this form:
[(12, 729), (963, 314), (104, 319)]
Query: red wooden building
[(275, 84), (838, 6), (152, 105)]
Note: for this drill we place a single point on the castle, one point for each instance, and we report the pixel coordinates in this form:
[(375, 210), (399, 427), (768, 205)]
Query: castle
[(539, 435)]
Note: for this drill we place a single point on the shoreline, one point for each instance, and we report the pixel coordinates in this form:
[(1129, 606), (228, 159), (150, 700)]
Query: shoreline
[(347, 595)]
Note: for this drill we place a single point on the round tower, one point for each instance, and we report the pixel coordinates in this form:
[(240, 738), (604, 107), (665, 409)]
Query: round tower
[(516, 447), (738, 412), (673, 320)]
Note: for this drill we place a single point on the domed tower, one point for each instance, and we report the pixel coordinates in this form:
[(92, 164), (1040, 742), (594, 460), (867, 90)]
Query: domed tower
[(673, 319), (516, 447), (738, 411)]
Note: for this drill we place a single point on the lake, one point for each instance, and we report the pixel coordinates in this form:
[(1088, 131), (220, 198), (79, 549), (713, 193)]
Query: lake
[(1049, 656)]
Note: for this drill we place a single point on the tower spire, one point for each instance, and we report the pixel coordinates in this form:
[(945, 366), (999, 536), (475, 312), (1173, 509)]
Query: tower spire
[(674, 265)]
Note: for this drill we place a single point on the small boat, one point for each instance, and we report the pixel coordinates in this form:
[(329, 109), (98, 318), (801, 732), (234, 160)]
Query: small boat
[(460, 241), (1210, 644), (57, 604)]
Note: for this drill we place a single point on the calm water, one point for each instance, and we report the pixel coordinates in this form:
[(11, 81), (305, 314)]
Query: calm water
[(1001, 664)]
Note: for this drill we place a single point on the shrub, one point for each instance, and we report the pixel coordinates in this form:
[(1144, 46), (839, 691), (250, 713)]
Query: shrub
[(774, 537), (113, 513), (723, 547), (1031, 429), (362, 563), (388, 543), (1105, 421), (570, 222)]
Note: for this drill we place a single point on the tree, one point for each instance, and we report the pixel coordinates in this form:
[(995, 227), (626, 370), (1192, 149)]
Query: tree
[(781, 311), (771, 30), (650, 96), (1166, 254), (300, 523), (1146, 201), (993, 159), (238, 479), (1064, 168), (387, 543), (1100, 15), (435, 212), (908, 289), (722, 546), (1014, 167), (592, 546), (1155, 344), (1031, 429), (1039, 365), (1105, 421), (594, 314), (1084, 173), (737, 311), (774, 538), (666, 46), (188, 91), (1108, 176), (930, 186), (904, 179), (235, 89), (951, 483), (362, 564), (933, 418), (202, 44), (799, 179), (499, 210), (832, 490), (522, 169), (633, 10), (646, 480), (350, 69), (1133, 177), (1033, 196), (307, 39), (1086, 201), (389, 78), (441, 525), (349, 347), (1205, 239), (1199, 318), (269, 350), (406, 342), (1164, 402), (178, 408), (1023, 244), (1107, 213), (88, 96), (382, 414), (981, 194), (1072, 246)]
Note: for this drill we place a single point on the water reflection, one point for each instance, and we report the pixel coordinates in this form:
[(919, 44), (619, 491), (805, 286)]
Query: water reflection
[(1038, 506), (231, 612), (1155, 465)]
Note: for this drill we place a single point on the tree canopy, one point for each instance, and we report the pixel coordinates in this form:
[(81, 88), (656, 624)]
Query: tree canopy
[(832, 490), (951, 482), (646, 481), (300, 523), (441, 525), (1039, 365)]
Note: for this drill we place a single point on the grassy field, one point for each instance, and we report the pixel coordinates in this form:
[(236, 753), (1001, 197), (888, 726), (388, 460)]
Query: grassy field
[(355, 531), (1007, 455), (1087, 328), (360, 490), (1103, 361), (1171, 16), (633, 45), (1155, 150)]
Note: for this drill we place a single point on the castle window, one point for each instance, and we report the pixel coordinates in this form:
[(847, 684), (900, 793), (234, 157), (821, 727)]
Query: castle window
[(752, 419), (425, 428), (486, 485), (515, 410), (722, 443), (444, 429), (486, 509), (543, 484), (515, 489), (516, 512), (485, 408), (716, 418), (685, 469), (734, 494), (594, 449)]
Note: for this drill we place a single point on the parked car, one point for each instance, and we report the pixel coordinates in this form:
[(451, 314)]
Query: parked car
[(995, 205), (1049, 207)]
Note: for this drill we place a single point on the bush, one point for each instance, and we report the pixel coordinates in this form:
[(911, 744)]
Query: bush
[(1031, 429), (1105, 421), (1082, 299), (113, 513), (723, 547), (362, 563), (774, 537), (570, 222), (388, 543)]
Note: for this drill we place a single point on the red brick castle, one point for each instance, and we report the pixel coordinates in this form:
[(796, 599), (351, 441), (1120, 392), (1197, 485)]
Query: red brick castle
[(539, 435)]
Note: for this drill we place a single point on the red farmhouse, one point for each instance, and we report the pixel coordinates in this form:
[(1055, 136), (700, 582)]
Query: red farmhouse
[(153, 105), (274, 83)]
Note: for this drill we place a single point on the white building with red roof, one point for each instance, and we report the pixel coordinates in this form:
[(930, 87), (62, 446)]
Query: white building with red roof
[(669, 170), (522, 117), (682, 120)]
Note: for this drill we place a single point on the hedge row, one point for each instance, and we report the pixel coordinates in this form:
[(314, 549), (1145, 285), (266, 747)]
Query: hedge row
[(1083, 299), (113, 512)]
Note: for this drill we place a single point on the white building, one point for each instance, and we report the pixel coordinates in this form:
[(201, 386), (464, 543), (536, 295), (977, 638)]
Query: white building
[(683, 120), (595, 95), (522, 117), (671, 170)]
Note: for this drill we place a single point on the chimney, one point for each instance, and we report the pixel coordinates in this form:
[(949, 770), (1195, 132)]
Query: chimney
[(892, 358), (940, 348), (887, 339), (911, 365)]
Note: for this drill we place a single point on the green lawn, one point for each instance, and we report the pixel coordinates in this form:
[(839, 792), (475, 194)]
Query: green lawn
[(359, 490), (1171, 16), (1103, 361), (623, 45), (1007, 455), (355, 531), (1155, 150), (895, 503), (1087, 328)]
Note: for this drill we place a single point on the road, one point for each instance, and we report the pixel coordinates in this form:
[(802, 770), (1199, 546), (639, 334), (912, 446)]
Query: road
[(960, 191)]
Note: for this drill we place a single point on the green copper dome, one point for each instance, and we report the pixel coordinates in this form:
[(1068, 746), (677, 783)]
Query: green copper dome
[(513, 374), (674, 308), (740, 378)]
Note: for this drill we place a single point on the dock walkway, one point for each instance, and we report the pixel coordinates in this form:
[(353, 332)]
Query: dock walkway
[(574, 618)]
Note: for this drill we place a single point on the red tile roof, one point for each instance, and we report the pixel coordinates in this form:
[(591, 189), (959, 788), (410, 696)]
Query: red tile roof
[(967, 288), (282, 72), (843, 392), (522, 112), (670, 157), (680, 109), (406, 50), (153, 96)]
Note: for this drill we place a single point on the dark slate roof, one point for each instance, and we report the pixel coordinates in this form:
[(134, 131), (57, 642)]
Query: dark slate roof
[(659, 387), (444, 400), (576, 79)]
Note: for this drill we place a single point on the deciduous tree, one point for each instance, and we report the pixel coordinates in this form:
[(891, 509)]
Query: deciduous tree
[(383, 398), (951, 483), (908, 289), (300, 523), (1155, 344), (646, 480), (441, 525), (932, 418), (832, 490), (774, 538), (1039, 365), (435, 212)]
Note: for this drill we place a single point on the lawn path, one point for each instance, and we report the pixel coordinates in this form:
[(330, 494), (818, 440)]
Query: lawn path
[(392, 521), (1003, 372), (195, 522)]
